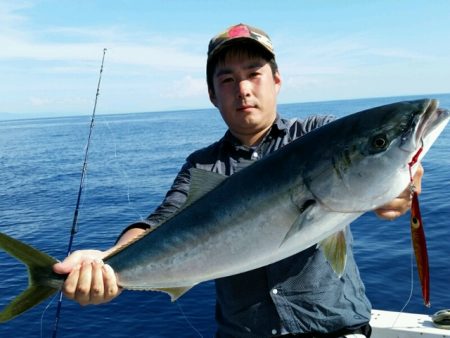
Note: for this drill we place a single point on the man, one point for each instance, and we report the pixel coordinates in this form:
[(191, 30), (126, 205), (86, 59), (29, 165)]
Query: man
[(300, 295)]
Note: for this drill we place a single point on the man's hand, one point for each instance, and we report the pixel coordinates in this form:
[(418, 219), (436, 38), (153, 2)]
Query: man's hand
[(402, 203), (89, 280)]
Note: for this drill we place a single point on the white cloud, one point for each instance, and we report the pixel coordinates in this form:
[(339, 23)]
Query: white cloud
[(186, 87), (46, 102), (50, 68), (40, 101), (356, 65), (128, 54), (42, 65), (86, 44), (8, 12)]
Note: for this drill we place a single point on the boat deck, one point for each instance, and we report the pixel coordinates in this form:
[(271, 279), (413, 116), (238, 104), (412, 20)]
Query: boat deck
[(387, 324)]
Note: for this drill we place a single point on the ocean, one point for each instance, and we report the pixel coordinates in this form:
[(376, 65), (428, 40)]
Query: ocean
[(133, 159)]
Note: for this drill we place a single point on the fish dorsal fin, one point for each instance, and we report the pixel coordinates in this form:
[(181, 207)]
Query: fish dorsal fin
[(202, 182), (175, 292), (335, 250)]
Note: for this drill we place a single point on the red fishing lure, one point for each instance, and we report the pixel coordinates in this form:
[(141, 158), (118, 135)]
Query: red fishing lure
[(418, 238)]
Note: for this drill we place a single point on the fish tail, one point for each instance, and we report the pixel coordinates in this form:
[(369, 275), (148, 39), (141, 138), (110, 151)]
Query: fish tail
[(42, 281)]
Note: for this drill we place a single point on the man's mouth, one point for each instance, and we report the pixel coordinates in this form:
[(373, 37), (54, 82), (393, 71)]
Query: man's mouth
[(245, 107)]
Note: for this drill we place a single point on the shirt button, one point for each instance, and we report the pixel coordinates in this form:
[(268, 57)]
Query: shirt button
[(255, 155), (274, 291), (274, 332)]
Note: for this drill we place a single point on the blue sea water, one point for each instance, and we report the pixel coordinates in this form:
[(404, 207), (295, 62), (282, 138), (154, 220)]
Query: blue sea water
[(132, 161)]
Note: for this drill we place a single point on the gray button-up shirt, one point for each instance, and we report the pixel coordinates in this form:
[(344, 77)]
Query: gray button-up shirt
[(296, 295)]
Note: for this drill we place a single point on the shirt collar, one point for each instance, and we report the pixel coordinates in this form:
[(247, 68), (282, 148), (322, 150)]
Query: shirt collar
[(279, 126)]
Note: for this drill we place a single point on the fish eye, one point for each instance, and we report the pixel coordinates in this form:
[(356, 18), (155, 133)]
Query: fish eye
[(380, 142)]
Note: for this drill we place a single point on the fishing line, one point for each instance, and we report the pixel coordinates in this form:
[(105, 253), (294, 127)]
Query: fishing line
[(412, 191), (74, 228), (120, 168), (411, 290), (188, 321), (43, 313)]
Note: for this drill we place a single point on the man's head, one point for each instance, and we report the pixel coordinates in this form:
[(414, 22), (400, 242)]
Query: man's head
[(237, 39), (243, 81)]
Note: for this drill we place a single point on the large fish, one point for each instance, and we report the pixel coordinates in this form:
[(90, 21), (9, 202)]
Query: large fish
[(304, 194)]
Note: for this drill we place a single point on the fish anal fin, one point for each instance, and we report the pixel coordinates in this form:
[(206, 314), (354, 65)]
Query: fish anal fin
[(335, 250), (175, 292)]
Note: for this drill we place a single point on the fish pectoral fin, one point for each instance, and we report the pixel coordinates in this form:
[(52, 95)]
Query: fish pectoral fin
[(176, 292), (307, 211), (335, 250)]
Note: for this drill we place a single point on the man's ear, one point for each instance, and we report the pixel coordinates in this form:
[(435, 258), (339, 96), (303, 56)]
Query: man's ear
[(277, 79), (212, 97)]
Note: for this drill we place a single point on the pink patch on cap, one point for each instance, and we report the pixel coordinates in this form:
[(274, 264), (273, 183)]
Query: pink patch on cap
[(239, 31)]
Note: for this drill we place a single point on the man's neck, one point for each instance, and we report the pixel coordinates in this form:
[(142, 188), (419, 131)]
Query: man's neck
[(251, 140)]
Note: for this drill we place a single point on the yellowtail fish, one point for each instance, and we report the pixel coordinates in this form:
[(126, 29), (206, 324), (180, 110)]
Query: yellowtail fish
[(303, 195)]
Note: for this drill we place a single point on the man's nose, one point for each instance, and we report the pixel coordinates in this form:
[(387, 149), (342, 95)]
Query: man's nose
[(244, 88)]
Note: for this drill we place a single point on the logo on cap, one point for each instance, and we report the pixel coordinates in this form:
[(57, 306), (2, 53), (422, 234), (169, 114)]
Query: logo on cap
[(238, 32)]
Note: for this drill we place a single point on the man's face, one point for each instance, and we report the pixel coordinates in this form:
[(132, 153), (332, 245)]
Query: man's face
[(245, 94)]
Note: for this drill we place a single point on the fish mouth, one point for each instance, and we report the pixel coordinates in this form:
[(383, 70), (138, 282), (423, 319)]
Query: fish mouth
[(423, 124), (428, 120)]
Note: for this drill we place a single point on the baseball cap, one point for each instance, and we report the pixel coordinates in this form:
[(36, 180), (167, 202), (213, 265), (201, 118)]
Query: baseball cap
[(239, 32)]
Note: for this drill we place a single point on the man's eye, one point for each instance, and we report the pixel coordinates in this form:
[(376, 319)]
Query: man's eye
[(226, 80)]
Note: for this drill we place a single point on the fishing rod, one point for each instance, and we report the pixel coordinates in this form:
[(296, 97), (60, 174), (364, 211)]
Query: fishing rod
[(74, 228)]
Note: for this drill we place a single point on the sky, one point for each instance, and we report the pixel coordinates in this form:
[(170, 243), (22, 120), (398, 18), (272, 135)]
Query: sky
[(51, 51)]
